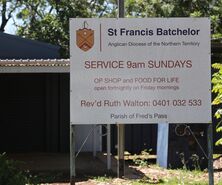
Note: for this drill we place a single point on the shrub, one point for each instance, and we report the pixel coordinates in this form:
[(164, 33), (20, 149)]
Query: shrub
[(217, 88), (9, 173)]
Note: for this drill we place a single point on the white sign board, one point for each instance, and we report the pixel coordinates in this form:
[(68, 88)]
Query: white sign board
[(140, 70)]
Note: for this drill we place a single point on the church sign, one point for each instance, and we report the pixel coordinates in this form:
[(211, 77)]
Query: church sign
[(145, 70)]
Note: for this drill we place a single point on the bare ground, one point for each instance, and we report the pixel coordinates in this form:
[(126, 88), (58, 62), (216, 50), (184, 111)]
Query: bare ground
[(91, 171), (153, 172)]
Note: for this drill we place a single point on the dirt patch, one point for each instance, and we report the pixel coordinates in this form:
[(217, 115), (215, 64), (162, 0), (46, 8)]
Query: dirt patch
[(53, 169), (152, 173)]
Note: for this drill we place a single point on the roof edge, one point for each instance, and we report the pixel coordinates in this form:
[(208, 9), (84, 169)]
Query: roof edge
[(17, 37)]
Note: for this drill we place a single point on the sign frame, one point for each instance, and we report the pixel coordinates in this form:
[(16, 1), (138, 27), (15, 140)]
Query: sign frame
[(140, 110)]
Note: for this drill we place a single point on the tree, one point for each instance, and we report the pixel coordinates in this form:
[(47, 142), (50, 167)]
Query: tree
[(7, 8), (217, 88), (178, 8), (48, 21)]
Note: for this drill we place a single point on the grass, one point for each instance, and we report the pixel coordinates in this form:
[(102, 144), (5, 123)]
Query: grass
[(161, 177), (39, 178), (102, 178), (153, 174), (215, 156), (142, 172), (186, 177), (169, 177), (175, 181)]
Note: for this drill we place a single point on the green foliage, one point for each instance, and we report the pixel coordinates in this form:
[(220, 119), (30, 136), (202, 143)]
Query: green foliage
[(194, 158), (7, 8), (175, 8), (183, 161), (142, 159), (186, 177), (171, 8), (217, 88), (9, 173), (195, 162), (147, 180), (48, 20), (102, 179), (157, 175), (176, 181)]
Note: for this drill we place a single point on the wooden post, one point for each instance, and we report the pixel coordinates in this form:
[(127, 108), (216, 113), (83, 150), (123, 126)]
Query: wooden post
[(108, 137), (210, 154), (94, 140), (72, 155), (121, 148), (120, 127), (121, 9)]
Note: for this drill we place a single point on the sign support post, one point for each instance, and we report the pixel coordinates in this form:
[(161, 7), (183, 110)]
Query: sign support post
[(121, 127), (108, 136), (72, 155), (121, 144), (210, 154), (94, 140), (121, 8)]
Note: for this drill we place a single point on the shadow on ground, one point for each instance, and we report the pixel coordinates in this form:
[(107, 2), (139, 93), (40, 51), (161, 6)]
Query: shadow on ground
[(54, 167)]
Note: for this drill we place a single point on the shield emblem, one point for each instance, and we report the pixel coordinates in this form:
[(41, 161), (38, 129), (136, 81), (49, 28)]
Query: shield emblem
[(85, 39)]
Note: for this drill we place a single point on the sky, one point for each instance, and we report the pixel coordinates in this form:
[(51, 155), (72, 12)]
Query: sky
[(10, 28)]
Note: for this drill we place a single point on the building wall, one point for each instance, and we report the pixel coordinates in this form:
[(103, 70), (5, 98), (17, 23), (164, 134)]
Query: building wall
[(138, 137), (34, 113), (21, 101)]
